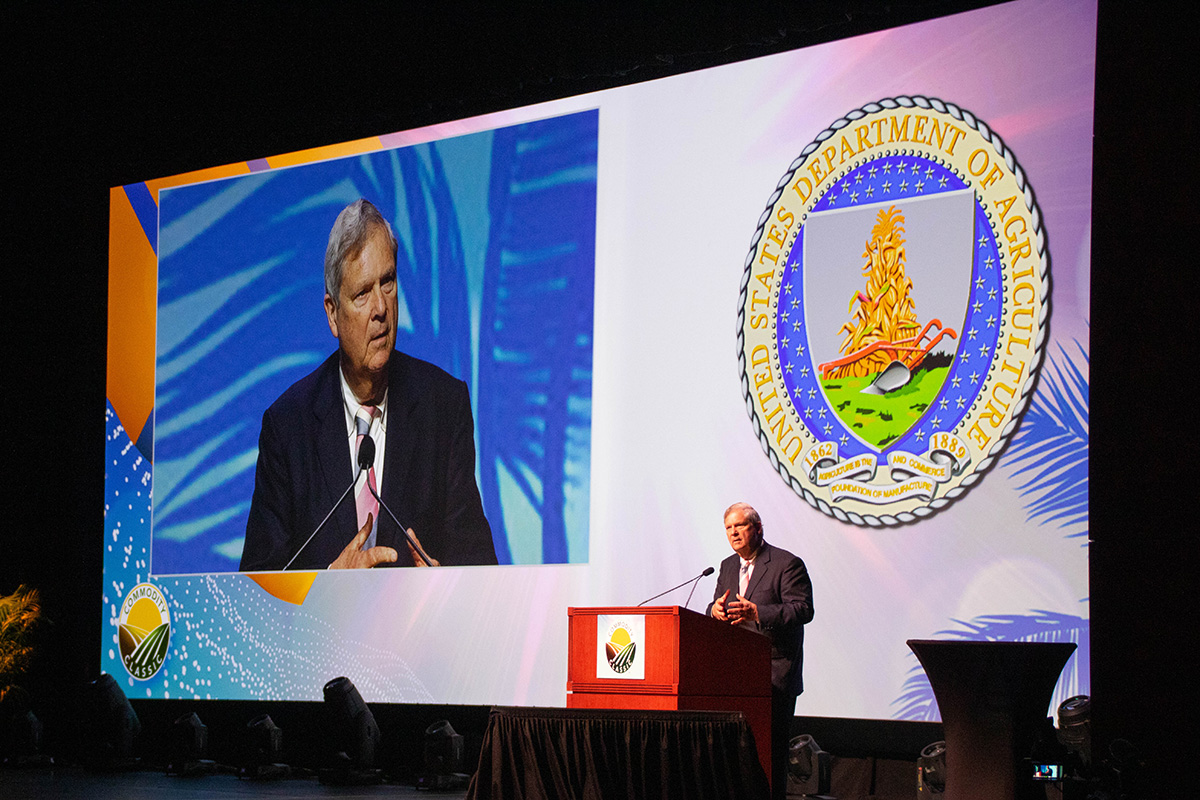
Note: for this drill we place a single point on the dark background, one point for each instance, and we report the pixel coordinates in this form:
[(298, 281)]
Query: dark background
[(96, 95)]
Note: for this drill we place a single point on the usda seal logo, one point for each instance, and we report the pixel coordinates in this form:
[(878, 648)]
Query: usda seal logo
[(144, 631), (893, 311)]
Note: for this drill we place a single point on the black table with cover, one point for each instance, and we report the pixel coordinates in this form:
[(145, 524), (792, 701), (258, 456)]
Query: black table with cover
[(588, 753)]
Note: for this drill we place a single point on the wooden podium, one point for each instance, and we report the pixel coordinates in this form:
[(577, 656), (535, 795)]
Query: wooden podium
[(689, 662)]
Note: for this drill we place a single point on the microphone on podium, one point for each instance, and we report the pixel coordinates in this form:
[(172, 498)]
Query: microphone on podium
[(694, 581)]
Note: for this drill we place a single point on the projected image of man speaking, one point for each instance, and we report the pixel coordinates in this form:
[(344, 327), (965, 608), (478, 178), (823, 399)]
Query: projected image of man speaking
[(372, 445)]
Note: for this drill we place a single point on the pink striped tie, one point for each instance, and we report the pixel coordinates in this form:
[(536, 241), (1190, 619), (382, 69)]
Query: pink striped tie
[(365, 501)]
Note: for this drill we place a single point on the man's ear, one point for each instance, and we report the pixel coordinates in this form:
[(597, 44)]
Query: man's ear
[(330, 315)]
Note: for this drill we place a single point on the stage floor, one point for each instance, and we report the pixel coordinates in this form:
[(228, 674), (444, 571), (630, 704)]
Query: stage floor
[(73, 782)]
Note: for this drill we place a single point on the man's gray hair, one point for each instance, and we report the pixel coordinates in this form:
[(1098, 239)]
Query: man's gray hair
[(751, 515), (351, 231)]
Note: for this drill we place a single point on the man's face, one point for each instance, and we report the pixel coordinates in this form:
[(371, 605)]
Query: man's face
[(364, 319), (743, 536)]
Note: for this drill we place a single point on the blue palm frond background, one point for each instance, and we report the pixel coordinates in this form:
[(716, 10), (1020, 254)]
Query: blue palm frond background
[(537, 336), (1050, 451), (240, 319)]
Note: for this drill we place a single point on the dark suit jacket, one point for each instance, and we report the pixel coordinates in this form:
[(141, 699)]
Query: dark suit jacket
[(781, 589), (428, 472)]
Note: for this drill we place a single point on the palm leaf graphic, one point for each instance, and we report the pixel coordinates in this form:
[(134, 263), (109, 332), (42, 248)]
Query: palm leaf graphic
[(536, 337), (1050, 449), (916, 700)]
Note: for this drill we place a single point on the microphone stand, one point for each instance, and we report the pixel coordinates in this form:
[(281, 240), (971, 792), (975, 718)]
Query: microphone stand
[(327, 516), (694, 581), (416, 547)]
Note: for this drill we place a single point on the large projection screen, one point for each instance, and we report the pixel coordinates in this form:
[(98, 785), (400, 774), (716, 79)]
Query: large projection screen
[(662, 298)]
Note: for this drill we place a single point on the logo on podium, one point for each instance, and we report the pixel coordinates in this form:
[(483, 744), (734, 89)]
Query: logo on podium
[(619, 646)]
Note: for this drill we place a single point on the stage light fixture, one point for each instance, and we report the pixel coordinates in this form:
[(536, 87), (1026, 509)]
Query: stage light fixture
[(189, 746), (1075, 726), (1125, 768), (443, 758), (805, 759), (110, 726), (355, 736), (263, 750), (20, 732), (931, 770)]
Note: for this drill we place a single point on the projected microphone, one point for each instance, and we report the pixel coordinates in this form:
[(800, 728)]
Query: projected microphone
[(366, 457), (693, 581), (403, 529)]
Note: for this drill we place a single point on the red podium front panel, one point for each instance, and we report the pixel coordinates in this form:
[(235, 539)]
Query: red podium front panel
[(688, 662)]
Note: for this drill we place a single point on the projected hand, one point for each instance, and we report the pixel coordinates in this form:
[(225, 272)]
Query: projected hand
[(354, 557), (416, 558), (742, 610), (718, 608)]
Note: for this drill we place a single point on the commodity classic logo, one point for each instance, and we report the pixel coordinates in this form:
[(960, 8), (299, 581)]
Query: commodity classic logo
[(893, 311), (621, 648), (144, 631)]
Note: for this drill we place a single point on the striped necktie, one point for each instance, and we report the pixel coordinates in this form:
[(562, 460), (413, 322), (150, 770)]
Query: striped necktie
[(365, 501)]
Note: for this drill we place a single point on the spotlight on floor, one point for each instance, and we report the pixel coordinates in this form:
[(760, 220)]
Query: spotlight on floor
[(20, 732), (110, 726), (443, 759), (931, 770), (262, 751), (355, 736), (189, 746), (1125, 767), (1075, 727), (805, 759)]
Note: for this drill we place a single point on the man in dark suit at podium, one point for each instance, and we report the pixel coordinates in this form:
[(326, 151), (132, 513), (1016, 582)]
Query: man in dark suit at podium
[(417, 416), (767, 589)]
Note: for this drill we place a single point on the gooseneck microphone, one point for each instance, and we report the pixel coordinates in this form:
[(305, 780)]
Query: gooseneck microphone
[(366, 457), (694, 581)]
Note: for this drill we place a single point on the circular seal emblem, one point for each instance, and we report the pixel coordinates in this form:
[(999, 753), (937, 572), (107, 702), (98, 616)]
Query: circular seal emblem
[(144, 631), (621, 649), (893, 311)]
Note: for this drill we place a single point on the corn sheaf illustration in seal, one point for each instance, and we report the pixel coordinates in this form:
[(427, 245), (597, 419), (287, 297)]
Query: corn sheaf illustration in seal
[(893, 311)]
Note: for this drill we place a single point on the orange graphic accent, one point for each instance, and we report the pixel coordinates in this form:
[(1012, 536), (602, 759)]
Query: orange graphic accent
[(290, 587), (212, 173), (132, 294), (354, 148)]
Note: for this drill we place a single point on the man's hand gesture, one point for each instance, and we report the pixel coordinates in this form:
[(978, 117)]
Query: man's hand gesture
[(354, 557)]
